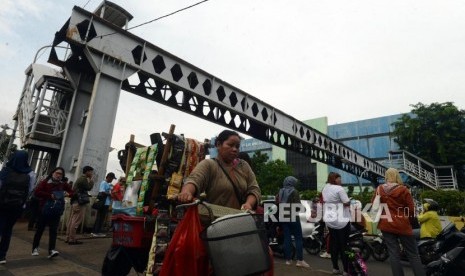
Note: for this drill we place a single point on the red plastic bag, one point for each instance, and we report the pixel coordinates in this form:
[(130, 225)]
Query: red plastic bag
[(186, 254)]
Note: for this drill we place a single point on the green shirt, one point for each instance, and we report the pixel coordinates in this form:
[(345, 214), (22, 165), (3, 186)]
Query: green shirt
[(83, 184)]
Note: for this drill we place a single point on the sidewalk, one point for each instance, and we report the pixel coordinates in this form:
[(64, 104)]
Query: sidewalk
[(84, 259)]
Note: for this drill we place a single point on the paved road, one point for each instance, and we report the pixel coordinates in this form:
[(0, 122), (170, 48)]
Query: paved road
[(320, 266), (86, 259)]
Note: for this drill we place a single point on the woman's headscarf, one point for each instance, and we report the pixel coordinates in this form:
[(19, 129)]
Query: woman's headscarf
[(18, 162), (287, 189), (392, 176)]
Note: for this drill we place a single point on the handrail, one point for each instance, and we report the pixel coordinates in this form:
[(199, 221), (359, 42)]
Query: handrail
[(422, 170)]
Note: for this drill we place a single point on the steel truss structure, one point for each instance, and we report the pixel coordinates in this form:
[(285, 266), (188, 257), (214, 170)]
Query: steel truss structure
[(99, 46)]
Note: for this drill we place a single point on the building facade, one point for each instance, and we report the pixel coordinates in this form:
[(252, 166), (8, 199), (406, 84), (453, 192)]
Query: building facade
[(370, 137)]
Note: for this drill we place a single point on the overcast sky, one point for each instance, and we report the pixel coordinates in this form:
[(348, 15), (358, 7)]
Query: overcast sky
[(347, 60)]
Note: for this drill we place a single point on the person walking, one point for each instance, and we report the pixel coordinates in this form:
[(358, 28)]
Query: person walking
[(16, 182), (291, 227), (104, 188), (396, 226), (336, 215), (50, 192), (83, 185)]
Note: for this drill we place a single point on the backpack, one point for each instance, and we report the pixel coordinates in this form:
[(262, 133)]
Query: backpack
[(14, 191)]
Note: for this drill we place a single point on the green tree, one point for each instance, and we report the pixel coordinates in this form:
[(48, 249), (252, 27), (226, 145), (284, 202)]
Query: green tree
[(270, 174), (258, 161), (436, 133), (451, 203)]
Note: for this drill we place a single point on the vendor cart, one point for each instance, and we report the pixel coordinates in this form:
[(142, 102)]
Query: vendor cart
[(142, 226)]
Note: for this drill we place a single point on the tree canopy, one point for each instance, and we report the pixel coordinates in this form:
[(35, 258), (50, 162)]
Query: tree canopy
[(269, 174), (436, 133)]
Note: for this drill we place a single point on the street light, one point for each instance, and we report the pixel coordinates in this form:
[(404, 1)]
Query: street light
[(361, 175), (348, 163)]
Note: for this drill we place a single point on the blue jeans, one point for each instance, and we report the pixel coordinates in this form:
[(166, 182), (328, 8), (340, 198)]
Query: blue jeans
[(410, 246), (295, 229), (7, 221)]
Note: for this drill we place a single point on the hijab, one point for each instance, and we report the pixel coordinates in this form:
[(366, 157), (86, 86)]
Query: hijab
[(18, 163), (392, 176), (287, 189)]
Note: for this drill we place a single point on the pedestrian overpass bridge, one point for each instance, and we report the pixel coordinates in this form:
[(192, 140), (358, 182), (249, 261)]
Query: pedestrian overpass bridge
[(66, 111)]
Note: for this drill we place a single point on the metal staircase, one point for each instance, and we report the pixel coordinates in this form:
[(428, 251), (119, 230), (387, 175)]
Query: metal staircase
[(434, 177), (43, 108)]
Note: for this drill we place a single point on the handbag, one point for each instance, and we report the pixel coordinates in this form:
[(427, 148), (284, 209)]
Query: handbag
[(376, 202), (102, 196), (54, 207), (83, 198)]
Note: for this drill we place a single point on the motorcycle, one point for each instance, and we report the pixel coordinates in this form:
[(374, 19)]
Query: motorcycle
[(453, 261), (357, 266), (356, 240), (431, 249), (315, 241), (378, 247), (276, 240)]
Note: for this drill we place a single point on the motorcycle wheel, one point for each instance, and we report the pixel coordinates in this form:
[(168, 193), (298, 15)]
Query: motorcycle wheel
[(312, 246), (279, 251), (427, 254), (433, 272), (380, 252), (366, 252)]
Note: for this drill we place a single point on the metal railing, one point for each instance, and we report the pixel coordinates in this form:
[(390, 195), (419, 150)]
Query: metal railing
[(435, 177), (42, 115)]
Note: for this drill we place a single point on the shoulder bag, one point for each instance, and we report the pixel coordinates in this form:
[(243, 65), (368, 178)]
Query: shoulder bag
[(236, 191), (83, 198), (98, 204), (102, 196), (376, 201)]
